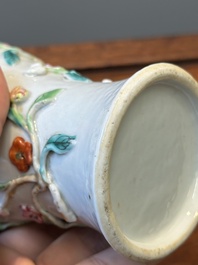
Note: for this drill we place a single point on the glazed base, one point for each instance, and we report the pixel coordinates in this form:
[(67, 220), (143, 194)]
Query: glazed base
[(153, 170)]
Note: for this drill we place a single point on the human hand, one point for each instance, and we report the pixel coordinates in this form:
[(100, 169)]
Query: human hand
[(48, 245), (4, 100)]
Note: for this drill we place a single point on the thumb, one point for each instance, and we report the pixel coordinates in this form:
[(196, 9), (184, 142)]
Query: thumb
[(4, 100)]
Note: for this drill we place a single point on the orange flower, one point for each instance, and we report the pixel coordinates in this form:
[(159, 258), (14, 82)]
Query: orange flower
[(20, 154)]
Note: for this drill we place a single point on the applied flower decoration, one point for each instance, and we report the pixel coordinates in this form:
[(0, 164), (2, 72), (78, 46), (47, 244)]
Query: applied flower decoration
[(20, 154), (18, 94), (31, 213)]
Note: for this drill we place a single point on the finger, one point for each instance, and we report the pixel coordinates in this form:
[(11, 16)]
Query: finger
[(108, 257), (72, 247), (4, 100), (29, 240), (10, 257)]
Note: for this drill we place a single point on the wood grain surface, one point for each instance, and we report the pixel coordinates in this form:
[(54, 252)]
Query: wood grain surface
[(119, 60)]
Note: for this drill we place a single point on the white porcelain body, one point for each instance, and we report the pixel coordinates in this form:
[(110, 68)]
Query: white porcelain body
[(132, 170)]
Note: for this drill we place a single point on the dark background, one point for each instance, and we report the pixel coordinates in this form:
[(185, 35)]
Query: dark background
[(41, 22)]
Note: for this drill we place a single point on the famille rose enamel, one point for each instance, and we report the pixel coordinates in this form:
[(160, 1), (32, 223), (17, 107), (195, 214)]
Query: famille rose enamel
[(119, 157)]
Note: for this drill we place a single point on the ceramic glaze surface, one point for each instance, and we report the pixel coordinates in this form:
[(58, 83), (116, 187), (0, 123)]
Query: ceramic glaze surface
[(120, 157), (84, 152), (46, 112), (155, 163), (147, 189)]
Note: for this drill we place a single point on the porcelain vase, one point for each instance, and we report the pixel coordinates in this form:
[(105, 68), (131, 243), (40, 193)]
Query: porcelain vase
[(119, 157)]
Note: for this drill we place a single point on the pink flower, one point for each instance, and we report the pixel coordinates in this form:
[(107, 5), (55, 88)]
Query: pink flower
[(31, 213), (18, 94)]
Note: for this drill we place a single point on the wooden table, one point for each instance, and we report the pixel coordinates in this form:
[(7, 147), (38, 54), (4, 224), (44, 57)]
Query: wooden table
[(119, 60)]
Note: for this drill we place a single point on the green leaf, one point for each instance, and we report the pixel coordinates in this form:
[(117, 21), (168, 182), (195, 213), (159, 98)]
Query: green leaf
[(60, 143), (41, 101), (56, 70), (16, 117), (3, 186), (11, 57), (48, 96)]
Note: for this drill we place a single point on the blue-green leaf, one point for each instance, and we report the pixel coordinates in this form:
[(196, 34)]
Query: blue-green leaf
[(75, 76), (60, 143), (11, 57)]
